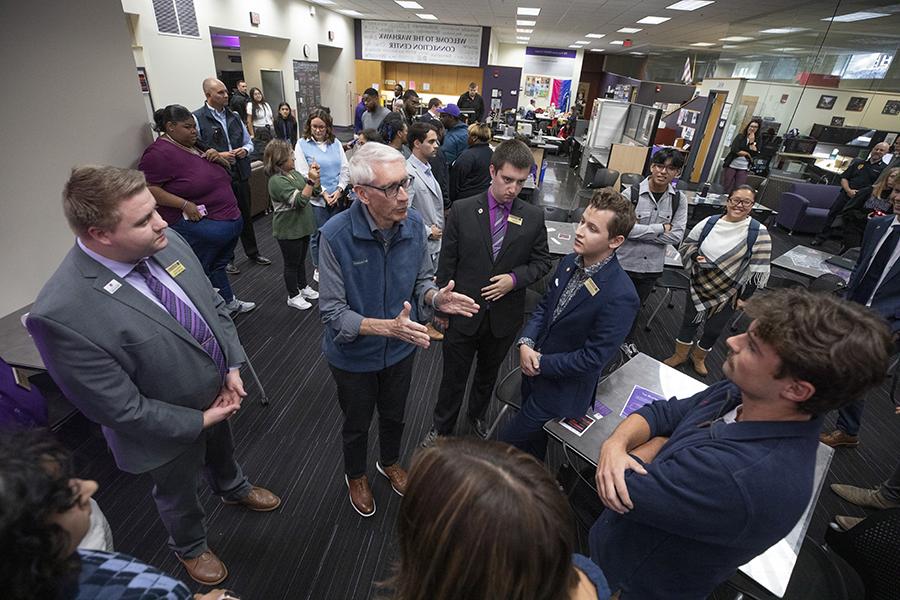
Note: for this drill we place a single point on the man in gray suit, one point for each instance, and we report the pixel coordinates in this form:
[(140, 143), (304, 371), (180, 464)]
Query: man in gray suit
[(134, 335), (425, 193)]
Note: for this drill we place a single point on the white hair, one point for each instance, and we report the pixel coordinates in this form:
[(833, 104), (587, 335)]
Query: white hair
[(364, 161)]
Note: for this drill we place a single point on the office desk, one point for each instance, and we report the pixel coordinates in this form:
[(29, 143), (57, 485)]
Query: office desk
[(16, 346), (560, 245), (809, 262), (773, 568)]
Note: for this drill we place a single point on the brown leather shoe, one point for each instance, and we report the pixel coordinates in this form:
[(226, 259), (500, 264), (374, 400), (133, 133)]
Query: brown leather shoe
[(205, 568), (396, 475), (259, 499), (838, 438), (433, 333), (361, 495)]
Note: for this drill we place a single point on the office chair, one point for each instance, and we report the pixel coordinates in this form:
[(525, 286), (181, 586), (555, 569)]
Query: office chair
[(509, 393), (630, 179), (872, 548), (671, 281)]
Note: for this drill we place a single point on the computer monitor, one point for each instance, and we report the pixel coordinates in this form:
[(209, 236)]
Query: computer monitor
[(523, 128)]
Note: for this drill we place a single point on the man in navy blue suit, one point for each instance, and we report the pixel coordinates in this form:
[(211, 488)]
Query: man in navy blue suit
[(876, 283), (578, 326)]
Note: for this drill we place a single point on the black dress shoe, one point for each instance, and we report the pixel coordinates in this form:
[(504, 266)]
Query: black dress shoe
[(816, 242), (261, 260), (478, 426)]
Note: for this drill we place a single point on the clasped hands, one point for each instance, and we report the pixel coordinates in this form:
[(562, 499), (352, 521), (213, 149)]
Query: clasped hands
[(445, 300), (228, 401)]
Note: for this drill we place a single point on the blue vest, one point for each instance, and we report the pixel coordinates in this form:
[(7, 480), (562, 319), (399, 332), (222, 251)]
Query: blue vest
[(210, 133), (329, 161), (376, 282)]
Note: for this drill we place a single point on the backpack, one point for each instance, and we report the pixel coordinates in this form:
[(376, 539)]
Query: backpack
[(635, 194)]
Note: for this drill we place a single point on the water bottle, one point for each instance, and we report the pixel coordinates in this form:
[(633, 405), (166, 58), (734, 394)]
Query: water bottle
[(704, 190)]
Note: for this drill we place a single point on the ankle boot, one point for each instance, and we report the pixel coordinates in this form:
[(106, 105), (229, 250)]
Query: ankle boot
[(680, 356), (698, 356)]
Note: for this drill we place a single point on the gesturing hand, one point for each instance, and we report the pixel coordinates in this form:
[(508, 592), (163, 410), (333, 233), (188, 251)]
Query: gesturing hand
[(314, 174), (610, 478), (453, 303), (409, 331), (530, 361), (499, 287)]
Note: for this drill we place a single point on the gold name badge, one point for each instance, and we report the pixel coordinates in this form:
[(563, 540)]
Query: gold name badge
[(175, 269), (514, 219), (591, 287)]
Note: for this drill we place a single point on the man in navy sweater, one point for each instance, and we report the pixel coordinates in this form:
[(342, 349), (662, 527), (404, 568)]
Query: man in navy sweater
[(697, 487)]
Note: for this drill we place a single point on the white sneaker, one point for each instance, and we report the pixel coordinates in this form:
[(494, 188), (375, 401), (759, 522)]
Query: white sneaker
[(298, 302), (239, 306), (316, 276), (309, 293)]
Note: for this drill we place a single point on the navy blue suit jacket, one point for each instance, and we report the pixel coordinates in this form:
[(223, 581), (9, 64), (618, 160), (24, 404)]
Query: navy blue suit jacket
[(886, 301), (577, 345)]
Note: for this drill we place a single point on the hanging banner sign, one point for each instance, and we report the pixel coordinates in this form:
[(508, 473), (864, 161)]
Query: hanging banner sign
[(435, 43)]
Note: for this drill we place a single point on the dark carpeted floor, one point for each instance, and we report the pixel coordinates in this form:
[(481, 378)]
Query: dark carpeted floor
[(315, 546)]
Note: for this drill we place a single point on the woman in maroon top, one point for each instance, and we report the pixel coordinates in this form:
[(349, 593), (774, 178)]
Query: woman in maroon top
[(193, 193)]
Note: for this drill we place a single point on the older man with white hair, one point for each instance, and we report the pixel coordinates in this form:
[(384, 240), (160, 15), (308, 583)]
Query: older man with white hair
[(376, 284)]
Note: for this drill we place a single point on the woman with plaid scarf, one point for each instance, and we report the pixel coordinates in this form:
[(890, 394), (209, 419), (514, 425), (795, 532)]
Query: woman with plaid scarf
[(727, 257)]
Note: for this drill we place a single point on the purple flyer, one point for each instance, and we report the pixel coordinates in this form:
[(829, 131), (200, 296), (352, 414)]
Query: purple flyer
[(639, 397), (601, 409)]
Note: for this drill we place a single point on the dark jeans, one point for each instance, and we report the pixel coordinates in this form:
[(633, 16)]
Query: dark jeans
[(241, 191), (322, 215), (850, 417), (643, 284), (175, 487), (712, 329), (359, 394), (294, 254), (459, 350), (213, 243)]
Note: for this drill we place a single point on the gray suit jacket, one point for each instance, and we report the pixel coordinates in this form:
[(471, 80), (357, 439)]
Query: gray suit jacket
[(125, 362), (426, 197)]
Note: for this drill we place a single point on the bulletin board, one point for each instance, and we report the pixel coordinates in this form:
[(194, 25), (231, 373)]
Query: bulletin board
[(537, 86)]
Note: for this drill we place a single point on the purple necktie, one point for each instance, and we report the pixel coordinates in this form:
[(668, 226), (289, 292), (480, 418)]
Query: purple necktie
[(182, 313), (498, 230)]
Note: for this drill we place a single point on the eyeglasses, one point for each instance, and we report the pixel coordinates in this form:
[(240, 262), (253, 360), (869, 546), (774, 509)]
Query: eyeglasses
[(737, 202), (392, 191), (669, 168)]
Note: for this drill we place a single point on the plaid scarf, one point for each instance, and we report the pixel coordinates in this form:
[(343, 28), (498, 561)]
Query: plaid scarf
[(716, 284)]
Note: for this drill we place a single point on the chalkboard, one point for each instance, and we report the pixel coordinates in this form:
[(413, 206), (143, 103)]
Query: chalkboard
[(307, 88)]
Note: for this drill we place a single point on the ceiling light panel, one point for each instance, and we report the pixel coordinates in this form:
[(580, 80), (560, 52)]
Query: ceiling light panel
[(616, 42), (528, 12), (351, 13), (524, 30), (783, 30), (582, 42), (427, 16), (522, 23), (596, 36), (735, 38), (690, 4), (409, 5), (653, 20), (857, 16), (630, 30), (703, 44), (596, 49)]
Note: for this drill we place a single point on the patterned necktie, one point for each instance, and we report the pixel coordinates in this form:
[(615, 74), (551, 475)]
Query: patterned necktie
[(867, 284), (182, 313), (498, 230)]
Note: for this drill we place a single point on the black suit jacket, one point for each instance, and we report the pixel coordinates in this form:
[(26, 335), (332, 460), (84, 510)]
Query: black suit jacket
[(466, 258), (886, 300)]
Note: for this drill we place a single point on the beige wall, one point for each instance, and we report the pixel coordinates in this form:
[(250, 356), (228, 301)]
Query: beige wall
[(176, 66), (83, 74), (509, 55)]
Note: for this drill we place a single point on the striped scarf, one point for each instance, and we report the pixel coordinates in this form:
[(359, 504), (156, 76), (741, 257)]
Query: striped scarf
[(717, 283)]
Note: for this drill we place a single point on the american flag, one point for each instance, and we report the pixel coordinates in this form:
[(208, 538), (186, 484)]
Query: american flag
[(687, 76)]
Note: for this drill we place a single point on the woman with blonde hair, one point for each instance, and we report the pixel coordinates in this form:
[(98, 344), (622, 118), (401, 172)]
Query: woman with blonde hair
[(483, 520), (867, 203)]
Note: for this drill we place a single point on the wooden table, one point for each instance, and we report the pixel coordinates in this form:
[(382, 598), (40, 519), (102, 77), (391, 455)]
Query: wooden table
[(773, 568)]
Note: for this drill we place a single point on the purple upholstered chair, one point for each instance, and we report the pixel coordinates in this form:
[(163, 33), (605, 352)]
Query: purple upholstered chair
[(805, 208)]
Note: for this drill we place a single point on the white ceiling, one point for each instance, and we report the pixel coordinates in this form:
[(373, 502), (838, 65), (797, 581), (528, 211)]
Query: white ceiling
[(563, 22)]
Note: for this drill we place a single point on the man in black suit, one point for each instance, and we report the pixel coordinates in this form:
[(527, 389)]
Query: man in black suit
[(494, 246), (431, 115), (472, 100)]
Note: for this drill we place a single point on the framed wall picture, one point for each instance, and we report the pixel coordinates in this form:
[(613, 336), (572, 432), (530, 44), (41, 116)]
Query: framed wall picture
[(826, 102), (891, 107), (837, 121), (857, 104)]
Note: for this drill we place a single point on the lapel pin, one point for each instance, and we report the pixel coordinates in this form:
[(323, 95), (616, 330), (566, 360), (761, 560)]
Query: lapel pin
[(480, 211), (112, 287)]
